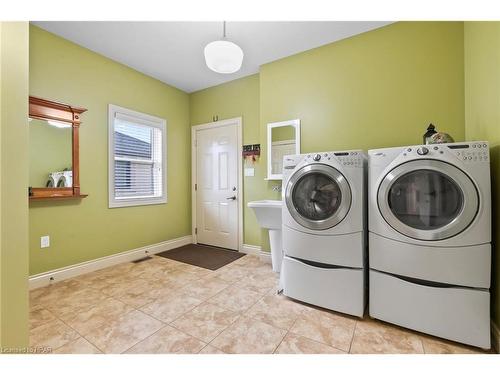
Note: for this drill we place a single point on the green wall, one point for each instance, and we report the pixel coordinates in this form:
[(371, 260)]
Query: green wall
[(378, 89), (87, 229), (50, 151), (482, 117), (13, 184), (234, 99)]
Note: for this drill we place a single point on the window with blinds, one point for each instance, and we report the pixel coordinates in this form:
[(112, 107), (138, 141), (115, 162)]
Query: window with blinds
[(137, 160)]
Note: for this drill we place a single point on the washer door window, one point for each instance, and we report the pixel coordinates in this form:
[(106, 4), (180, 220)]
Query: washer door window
[(318, 196), (428, 200)]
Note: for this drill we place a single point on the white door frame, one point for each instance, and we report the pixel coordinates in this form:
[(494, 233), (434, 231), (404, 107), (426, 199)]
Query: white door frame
[(237, 121)]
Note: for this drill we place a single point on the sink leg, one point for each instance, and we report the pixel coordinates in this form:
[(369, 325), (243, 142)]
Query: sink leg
[(275, 238)]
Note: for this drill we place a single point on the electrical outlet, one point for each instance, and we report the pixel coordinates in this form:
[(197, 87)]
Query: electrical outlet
[(44, 241)]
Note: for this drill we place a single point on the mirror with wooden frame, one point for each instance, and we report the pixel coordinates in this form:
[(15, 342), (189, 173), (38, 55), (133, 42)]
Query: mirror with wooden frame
[(54, 150)]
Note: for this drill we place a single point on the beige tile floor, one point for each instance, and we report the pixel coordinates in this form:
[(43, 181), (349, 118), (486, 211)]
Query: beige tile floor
[(163, 306)]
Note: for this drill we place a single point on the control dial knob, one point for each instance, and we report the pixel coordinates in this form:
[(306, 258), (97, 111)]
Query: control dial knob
[(422, 151)]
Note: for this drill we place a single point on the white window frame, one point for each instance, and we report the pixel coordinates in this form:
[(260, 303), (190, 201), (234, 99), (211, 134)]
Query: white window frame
[(149, 121)]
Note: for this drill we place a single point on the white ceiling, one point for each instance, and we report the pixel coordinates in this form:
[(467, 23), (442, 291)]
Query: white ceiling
[(172, 52)]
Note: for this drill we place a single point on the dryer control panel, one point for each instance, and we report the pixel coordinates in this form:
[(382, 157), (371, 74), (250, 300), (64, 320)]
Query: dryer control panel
[(467, 152), (472, 152)]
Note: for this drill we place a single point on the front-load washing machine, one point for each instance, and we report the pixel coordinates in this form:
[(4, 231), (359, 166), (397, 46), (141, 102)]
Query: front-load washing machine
[(324, 231), (429, 234)]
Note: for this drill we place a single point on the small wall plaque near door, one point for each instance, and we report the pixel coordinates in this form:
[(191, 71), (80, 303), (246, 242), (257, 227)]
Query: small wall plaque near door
[(251, 153)]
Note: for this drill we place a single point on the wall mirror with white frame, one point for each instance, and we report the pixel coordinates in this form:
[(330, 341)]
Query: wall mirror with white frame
[(283, 138)]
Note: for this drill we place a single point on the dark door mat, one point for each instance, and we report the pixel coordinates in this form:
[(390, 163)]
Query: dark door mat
[(204, 256)]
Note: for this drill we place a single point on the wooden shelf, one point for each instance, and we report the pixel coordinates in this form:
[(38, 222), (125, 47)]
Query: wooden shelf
[(58, 197)]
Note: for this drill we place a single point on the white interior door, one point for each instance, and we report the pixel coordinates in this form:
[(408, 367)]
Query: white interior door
[(217, 191)]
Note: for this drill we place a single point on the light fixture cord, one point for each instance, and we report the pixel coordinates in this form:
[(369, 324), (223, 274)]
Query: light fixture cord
[(224, 29)]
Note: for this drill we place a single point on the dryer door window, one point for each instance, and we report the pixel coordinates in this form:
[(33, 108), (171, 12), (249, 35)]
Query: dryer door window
[(425, 199), (318, 196), (428, 199)]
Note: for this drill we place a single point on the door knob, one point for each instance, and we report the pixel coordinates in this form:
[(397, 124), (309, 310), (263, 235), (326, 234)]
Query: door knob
[(233, 198)]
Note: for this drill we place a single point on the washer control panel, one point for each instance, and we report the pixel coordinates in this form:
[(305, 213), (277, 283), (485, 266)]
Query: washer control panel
[(290, 162), (353, 159)]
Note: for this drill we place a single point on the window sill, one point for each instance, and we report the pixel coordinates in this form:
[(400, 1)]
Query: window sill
[(134, 203)]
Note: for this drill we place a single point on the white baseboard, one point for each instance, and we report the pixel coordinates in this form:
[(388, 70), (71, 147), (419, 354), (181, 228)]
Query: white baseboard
[(250, 249), (46, 278), (256, 250), (495, 335)]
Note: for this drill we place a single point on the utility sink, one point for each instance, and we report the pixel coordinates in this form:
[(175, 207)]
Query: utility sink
[(268, 214)]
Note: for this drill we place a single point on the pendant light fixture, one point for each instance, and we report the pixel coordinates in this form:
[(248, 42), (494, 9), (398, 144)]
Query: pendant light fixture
[(223, 56)]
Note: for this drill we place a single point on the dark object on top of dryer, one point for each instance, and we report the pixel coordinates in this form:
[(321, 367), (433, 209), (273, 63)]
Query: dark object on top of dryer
[(431, 129)]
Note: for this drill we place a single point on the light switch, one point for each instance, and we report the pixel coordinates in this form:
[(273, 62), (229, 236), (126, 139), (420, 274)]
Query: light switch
[(249, 172)]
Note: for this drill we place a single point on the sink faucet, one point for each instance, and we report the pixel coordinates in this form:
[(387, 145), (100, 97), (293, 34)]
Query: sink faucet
[(277, 188)]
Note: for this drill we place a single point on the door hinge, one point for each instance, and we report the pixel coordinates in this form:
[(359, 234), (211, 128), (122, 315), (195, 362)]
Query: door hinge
[(195, 230), (195, 187)]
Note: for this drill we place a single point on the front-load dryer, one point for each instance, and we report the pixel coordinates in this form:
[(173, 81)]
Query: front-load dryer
[(66, 179), (324, 232), (429, 234)]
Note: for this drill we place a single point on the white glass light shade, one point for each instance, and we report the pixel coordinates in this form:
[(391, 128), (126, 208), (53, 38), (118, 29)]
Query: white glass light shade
[(223, 56)]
